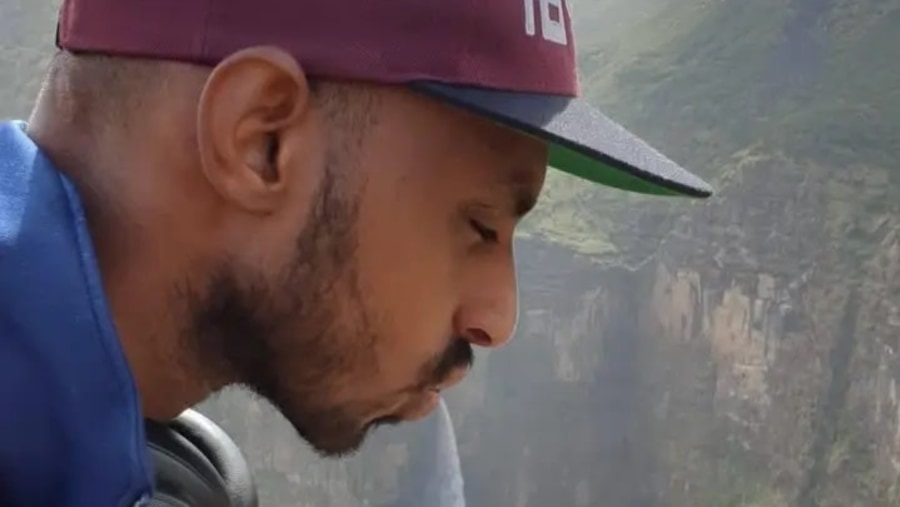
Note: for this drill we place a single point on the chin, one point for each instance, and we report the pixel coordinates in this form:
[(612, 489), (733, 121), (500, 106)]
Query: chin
[(338, 430), (332, 447), (336, 440)]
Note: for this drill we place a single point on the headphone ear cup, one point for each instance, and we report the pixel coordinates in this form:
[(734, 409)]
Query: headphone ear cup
[(197, 464)]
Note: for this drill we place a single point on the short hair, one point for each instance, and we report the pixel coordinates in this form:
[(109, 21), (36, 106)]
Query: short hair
[(350, 110), (111, 88), (102, 88)]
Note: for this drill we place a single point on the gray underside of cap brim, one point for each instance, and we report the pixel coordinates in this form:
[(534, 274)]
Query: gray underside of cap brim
[(583, 141)]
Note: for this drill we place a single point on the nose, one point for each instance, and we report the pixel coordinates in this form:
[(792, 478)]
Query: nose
[(488, 311)]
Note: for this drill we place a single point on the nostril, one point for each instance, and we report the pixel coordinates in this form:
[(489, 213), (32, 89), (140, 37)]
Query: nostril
[(479, 337)]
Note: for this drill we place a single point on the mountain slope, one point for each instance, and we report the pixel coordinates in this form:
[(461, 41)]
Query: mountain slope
[(707, 80)]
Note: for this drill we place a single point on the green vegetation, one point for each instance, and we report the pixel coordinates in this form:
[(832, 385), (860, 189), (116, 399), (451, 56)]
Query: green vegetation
[(707, 80)]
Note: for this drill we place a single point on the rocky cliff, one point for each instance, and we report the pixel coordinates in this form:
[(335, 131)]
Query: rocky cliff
[(738, 352), (734, 352)]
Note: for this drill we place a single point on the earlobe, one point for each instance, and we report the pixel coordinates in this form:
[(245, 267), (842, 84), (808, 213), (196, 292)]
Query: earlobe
[(250, 102)]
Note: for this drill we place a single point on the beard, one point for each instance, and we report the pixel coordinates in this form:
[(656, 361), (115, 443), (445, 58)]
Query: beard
[(299, 338)]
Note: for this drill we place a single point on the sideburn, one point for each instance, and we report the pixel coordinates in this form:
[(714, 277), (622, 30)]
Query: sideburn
[(276, 335)]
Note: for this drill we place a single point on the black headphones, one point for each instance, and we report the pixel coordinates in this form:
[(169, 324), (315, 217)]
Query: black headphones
[(196, 464)]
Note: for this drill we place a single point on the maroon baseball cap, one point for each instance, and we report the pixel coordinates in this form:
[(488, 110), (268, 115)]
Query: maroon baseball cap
[(510, 60)]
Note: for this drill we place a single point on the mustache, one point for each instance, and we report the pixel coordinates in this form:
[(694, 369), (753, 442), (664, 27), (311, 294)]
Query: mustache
[(459, 354)]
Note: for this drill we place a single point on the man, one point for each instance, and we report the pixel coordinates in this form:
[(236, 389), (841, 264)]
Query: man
[(315, 200)]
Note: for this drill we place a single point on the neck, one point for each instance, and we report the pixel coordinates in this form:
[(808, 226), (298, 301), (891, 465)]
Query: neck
[(131, 255)]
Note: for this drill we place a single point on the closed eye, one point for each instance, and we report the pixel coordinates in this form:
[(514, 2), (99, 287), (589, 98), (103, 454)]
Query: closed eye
[(486, 233)]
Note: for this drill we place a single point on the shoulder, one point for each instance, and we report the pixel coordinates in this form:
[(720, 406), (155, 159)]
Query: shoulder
[(70, 413)]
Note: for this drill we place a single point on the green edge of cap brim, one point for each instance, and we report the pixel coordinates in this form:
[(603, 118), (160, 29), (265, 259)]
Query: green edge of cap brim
[(578, 164)]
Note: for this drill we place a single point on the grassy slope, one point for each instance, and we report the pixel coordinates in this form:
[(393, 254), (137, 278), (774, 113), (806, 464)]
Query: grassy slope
[(618, 41)]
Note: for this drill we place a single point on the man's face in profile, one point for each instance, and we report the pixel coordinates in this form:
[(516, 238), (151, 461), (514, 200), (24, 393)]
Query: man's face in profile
[(358, 299)]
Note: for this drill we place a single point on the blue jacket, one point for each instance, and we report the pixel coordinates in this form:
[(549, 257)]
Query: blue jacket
[(71, 428)]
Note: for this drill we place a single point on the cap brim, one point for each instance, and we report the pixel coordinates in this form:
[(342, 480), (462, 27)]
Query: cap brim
[(583, 141)]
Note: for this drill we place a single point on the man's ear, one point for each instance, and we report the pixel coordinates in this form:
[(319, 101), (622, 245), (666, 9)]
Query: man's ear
[(250, 100)]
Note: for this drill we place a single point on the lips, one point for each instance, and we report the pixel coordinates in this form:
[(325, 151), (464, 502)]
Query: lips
[(425, 398)]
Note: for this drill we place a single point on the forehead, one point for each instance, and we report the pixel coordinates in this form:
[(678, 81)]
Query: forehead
[(422, 138)]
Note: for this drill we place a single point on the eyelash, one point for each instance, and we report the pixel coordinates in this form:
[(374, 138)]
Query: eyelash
[(486, 233)]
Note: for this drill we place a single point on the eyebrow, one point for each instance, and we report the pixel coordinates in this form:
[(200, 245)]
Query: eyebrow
[(523, 195), (523, 200), (517, 192)]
